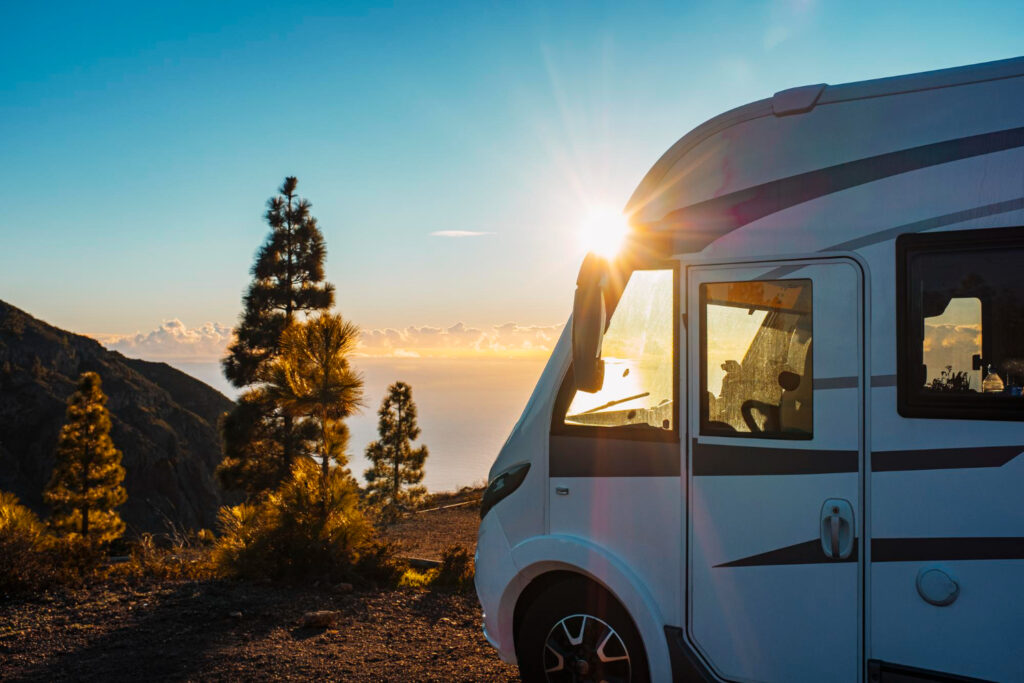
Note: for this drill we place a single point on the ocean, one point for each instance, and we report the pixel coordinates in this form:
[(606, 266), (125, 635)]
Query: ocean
[(466, 408)]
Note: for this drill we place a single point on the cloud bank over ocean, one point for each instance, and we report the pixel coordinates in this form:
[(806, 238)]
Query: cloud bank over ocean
[(174, 341)]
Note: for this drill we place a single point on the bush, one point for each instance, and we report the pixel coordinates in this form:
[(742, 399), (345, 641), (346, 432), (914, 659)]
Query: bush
[(456, 570), (455, 573), (24, 544), (183, 560), (296, 532)]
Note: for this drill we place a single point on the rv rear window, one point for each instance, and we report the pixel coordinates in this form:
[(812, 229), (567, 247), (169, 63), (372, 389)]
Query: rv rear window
[(757, 364), (961, 324)]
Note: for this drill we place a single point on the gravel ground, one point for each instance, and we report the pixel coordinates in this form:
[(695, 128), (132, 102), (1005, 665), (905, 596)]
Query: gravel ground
[(221, 630), (225, 630), (426, 534)]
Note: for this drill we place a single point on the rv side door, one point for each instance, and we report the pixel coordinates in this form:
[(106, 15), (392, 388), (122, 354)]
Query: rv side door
[(775, 411)]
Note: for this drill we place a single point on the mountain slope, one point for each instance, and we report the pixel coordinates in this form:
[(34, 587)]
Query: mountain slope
[(164, 422)]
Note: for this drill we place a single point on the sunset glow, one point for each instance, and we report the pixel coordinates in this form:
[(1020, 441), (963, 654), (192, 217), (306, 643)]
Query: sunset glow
[(603, 231)]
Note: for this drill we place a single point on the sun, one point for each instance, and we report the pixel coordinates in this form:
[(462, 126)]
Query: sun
[(604, 230)]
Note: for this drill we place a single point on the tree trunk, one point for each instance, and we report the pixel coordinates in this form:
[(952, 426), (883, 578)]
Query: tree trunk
[(85, 521), (324, 465), (398, 456)]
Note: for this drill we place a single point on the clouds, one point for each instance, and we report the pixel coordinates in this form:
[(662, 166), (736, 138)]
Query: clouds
[(459, 233), (952, 346), (508, 340), (174, 341)]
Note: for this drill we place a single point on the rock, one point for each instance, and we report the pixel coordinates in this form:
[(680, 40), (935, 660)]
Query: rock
[(320, 619), (343, 588)]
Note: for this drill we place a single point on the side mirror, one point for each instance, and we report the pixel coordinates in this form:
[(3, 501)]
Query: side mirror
[(589, 319)]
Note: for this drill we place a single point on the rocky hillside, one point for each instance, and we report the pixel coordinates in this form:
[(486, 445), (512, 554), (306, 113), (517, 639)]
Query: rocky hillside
[(164, 421)]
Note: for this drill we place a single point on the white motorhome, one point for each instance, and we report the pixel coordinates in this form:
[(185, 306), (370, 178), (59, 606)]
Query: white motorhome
[(781, 436)]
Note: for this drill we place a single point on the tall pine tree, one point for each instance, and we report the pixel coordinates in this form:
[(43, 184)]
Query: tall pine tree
[(86, 486), (393, 480), (260, 439)]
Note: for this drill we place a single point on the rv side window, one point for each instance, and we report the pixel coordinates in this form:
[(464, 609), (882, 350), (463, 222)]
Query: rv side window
[(757, 363), (638, 354), (962, 324)]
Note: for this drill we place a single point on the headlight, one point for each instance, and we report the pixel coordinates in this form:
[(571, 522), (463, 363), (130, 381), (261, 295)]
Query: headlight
[(502, 485)]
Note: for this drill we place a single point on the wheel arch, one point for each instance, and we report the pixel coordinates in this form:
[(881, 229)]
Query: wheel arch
[(547, 559)]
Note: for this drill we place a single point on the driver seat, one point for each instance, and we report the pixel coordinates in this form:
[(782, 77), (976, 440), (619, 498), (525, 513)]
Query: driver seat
[(795, 406)]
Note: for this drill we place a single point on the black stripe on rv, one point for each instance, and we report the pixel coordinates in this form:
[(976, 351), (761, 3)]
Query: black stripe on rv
[(690, 229), (585, 457), (943, 458), (719, 460), (716, 460), (894, 550)]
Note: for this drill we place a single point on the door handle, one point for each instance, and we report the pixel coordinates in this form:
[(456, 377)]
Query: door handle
[(834, 518), (837, 528), (562, 490)]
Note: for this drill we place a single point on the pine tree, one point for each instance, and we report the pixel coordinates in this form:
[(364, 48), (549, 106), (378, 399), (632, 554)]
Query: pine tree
[(392, 481), (313, 380), (86, 486), (260, 440)]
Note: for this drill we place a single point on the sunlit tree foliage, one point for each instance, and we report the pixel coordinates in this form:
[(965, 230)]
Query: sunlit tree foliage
[(312, 380), (86, 486), (393, 481), (261, 440)]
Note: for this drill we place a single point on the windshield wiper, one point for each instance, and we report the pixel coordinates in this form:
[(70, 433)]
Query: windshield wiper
[(616, 402)]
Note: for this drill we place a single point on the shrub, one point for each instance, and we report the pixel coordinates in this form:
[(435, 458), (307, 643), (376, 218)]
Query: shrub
[(297, 532), (456, 570), (24, 544), (183, 560), (455, 573)]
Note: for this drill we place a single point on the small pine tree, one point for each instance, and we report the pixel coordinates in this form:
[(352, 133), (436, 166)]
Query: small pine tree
[(312, 380), (86, 486), (392, 481), (261, 441)]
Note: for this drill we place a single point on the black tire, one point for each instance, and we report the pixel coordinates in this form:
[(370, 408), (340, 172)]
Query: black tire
[(578, 610)]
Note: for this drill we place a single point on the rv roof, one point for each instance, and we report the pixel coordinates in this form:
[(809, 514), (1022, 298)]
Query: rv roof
[(696, 221), (830, 94)]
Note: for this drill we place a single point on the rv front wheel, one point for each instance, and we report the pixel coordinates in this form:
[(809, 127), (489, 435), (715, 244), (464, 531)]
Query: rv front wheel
[(577, 631)]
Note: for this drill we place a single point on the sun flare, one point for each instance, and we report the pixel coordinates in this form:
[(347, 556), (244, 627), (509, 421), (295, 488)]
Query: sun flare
[(604, 230)]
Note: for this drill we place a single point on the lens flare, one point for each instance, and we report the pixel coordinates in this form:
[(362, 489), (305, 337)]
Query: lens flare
[(604, 230)]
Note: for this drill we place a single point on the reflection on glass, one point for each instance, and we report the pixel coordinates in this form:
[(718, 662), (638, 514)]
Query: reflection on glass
[(757, 373), (637, 351), (970, 308), (951, 340)]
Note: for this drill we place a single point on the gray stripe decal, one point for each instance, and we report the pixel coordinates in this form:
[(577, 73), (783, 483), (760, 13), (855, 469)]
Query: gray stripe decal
[(877, 381), (916, 226), (690, 229), (825, 383), (931, 224)]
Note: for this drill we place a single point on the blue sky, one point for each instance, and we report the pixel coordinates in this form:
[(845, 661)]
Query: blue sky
[(140, 142)]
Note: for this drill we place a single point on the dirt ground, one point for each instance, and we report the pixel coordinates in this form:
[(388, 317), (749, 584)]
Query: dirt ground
[(239, 631), (224, 630), (426, 534)]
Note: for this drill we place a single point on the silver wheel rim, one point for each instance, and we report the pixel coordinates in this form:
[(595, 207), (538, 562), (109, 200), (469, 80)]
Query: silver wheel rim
[(581, 648)]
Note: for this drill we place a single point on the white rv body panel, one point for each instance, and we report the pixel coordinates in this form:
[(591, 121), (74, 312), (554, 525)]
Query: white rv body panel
[(769, 196)]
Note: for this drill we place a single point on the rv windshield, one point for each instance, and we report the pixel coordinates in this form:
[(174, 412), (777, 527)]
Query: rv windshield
[(637, 351)]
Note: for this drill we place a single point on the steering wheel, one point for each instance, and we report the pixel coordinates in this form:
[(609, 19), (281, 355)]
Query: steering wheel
[(770, 411)]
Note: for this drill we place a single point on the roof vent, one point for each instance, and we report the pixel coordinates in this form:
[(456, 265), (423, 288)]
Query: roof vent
[(797, 100)]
